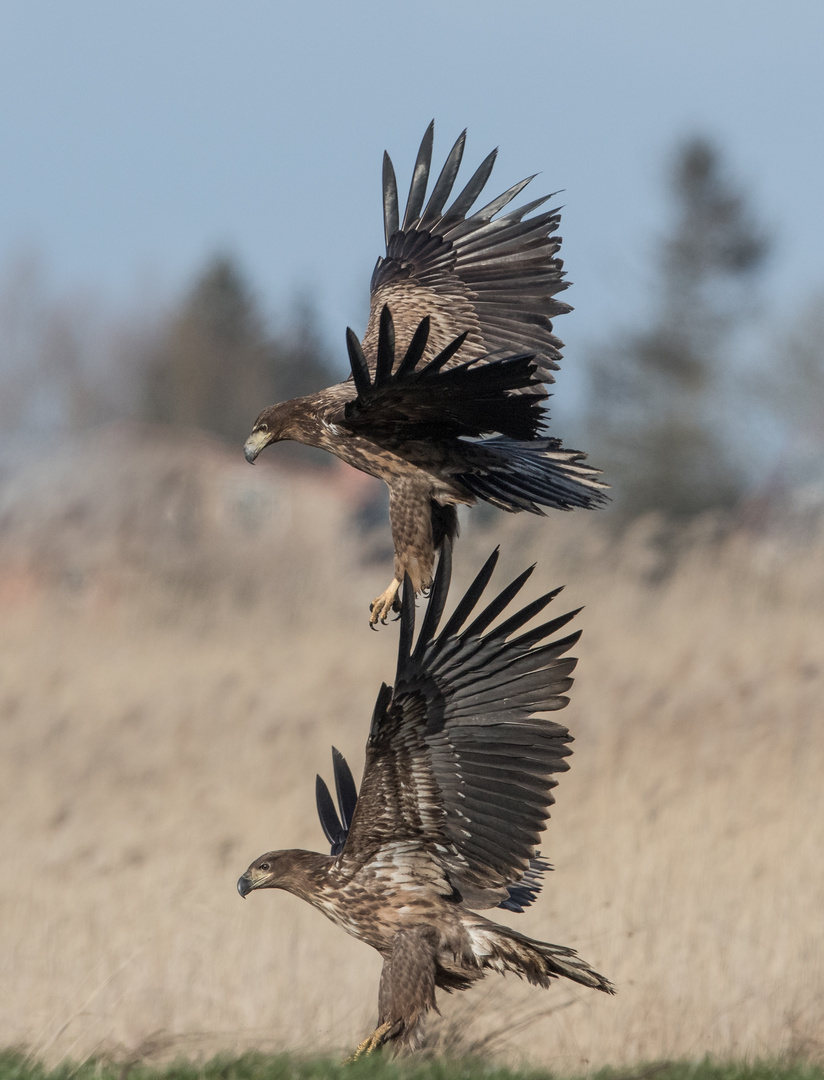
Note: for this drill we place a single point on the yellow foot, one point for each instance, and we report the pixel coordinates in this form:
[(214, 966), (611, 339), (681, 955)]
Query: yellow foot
[(386, 602), (375, 1040)]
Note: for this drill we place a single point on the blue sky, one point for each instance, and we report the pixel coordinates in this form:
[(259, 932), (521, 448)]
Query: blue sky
[(138, 138)]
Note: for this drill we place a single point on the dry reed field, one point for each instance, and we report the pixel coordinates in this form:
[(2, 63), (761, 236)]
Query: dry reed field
[(184, 638)]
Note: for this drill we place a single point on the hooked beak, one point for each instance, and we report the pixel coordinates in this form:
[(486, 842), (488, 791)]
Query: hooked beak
[(244, 885), (254, 444)]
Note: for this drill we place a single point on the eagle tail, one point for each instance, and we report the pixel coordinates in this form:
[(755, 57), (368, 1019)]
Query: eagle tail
[(538, 962), (529, 474)]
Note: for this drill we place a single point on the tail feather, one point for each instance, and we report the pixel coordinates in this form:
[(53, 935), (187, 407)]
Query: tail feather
[(519, 475), (538, 962)]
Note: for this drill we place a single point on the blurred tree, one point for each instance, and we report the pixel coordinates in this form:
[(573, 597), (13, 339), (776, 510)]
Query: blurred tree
[(795, 387), (654, 414), (23, 308), (55, 369), (791, 390), (215, 367)]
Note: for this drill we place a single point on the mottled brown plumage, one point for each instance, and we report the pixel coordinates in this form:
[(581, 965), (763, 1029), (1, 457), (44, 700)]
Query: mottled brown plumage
[(456, 790), (470, 301)]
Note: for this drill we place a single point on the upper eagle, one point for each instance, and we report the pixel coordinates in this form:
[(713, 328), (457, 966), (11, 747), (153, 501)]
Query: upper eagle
[(445, 399), (456, 791)]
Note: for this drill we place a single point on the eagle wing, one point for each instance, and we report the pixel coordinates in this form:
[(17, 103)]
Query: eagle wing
[(439, 399), (459, 769), (336, 828), (491, 275), (335, 824)]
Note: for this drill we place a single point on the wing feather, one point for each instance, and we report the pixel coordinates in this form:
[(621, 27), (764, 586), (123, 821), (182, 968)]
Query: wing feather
[(493, 274), (345, 788), (329, 820), (466, 605), (488, 212), (459, 764), (391, 219), (336, 828), (438, 400), (420, 178), (443, 185), (457, 211)]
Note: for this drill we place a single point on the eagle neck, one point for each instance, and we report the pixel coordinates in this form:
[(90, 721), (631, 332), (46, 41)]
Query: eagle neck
[(304, 874)]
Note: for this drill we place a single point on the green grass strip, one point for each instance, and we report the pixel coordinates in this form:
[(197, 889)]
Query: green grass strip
[(252, 1066)]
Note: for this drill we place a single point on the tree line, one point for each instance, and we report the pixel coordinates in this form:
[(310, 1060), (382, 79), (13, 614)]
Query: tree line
[(661, 393)]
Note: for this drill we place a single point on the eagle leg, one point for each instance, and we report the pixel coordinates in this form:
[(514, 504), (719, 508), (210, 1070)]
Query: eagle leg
[(373, 1042), (383, 604), (419, 527)]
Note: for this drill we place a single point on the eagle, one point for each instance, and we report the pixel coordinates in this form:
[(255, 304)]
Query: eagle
[(456, 791), (444, 402)]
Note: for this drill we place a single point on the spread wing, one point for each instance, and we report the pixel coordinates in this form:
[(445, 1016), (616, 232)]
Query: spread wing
[(335, 825), (437, 400), (459, 768), (491, 275)]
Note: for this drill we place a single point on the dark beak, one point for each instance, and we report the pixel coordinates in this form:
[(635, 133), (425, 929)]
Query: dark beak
[(244, 886)]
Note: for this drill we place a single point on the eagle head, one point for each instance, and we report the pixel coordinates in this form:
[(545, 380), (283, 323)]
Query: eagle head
[(295, 871), (269, 427), (262, 874)]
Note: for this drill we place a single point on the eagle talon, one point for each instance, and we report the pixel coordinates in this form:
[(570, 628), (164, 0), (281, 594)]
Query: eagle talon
[(384, 604), (374, 1042)]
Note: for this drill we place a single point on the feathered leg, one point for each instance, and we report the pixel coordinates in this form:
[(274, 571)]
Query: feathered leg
[(407, 990), (410, 517), (420, 525)]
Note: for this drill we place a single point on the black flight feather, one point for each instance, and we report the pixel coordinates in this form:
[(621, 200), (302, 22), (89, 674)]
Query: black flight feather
[(526, 891), (437, 596), (345, 788), (417, 347), (335, 824), (391, 220), (329, 820), (357, 361), (486, 213), (444, 184), (444, 355), (386, 347), (494, 609), (420, 178), (470, 599), (470, 193)]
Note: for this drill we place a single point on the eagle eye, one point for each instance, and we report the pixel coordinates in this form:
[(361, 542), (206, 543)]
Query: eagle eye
[(265, 866), (263, 427)]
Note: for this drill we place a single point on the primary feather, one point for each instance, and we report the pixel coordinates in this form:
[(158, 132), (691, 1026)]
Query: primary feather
[(445, 402), (460, 768)]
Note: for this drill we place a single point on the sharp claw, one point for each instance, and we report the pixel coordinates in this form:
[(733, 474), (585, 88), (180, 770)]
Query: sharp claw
[(373, 1042), (382, 606)]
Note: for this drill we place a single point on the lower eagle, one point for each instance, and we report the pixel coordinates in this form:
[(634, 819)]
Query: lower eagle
[(456, 790)]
